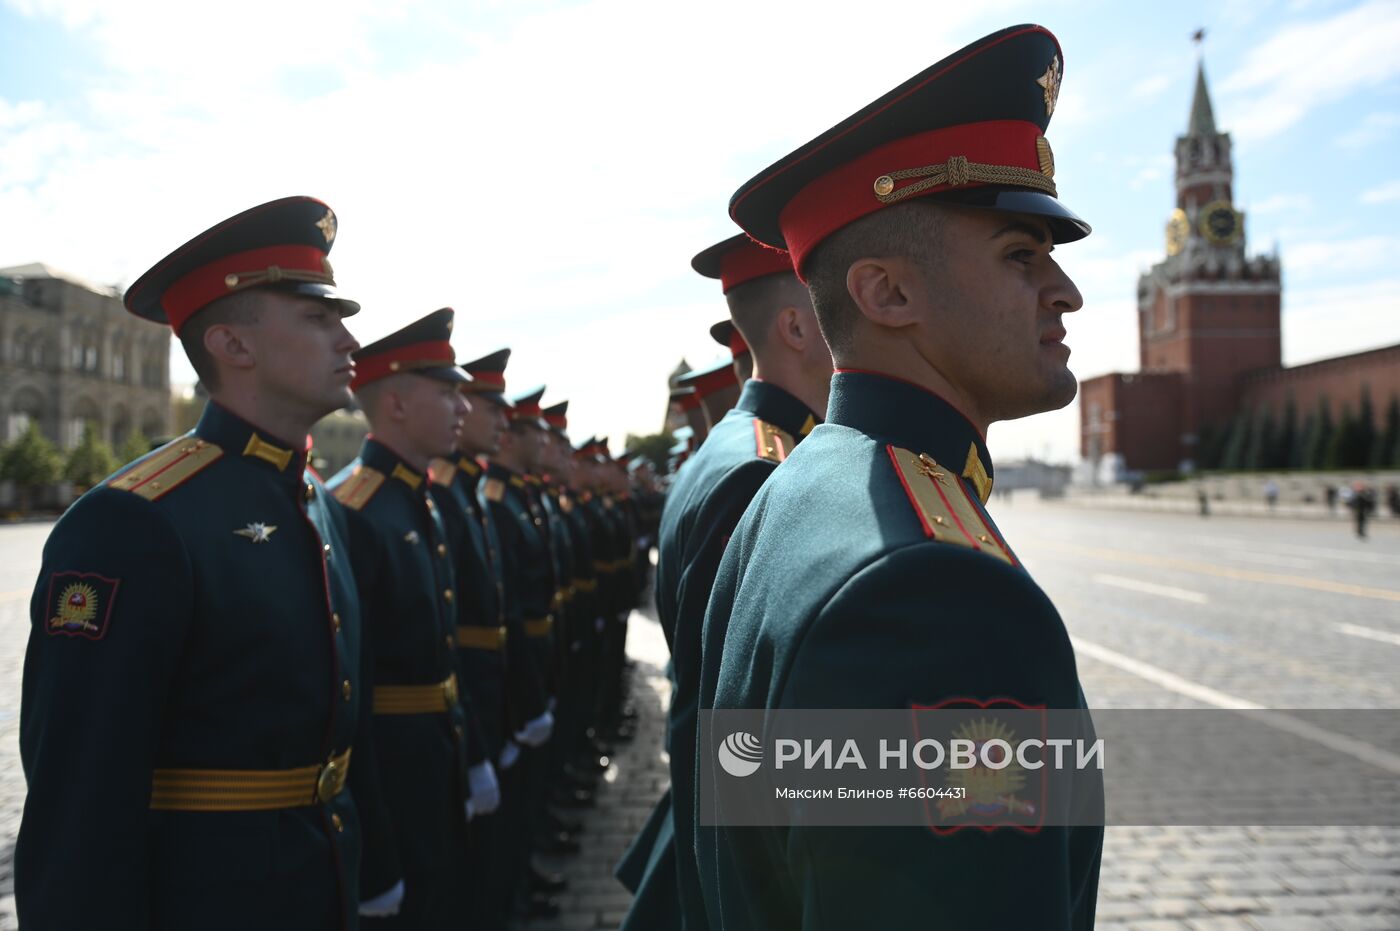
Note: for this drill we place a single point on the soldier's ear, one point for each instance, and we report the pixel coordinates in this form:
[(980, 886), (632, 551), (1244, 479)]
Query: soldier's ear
[(884, 290), (227, 346)]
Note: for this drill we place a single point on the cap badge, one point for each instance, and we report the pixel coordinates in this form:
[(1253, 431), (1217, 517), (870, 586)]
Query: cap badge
[(327, 223), (1045, 156), (1050, 81)]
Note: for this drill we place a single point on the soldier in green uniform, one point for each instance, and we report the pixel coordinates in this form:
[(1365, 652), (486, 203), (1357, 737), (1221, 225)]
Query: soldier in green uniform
[(406, 384), (779, 406), (481, 633), (727, 335), (530, 589), (867, 572), (192, 688)]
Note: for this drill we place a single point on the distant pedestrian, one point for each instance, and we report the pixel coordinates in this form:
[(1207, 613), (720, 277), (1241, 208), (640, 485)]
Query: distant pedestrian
[(1271, 493), (1392, 499), (1331, 491), (1203, 501), (1362, 502)]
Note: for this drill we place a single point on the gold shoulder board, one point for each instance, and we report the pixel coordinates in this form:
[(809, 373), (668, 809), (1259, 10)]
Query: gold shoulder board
[(943, 505), (773, 444), (442, 472), (495, 490), (356, 490), (173, 464)]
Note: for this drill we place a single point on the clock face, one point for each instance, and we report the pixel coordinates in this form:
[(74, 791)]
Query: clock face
[(1220, 223), (1178, 228)]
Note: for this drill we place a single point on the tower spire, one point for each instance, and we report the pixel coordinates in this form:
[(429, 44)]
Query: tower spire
[(1202, 122)]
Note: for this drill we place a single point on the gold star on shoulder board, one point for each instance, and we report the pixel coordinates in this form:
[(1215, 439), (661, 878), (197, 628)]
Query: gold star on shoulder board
[(327, 226), (257, 532), (1050, 81)]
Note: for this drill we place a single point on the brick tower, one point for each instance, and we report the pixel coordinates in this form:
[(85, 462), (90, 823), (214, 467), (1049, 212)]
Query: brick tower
[(1207, 311)]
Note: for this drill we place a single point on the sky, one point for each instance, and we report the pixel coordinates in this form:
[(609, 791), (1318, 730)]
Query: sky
[(548, 168)]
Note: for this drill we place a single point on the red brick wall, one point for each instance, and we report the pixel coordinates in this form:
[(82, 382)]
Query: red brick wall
[(1136, 416), (1340, 379)]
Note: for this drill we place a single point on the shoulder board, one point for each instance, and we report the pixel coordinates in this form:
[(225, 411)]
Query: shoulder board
[(356, 491), (566, 504), (517, 482), (168, 467), (494, 490), (442, 472), (943, 505), (773, 443)]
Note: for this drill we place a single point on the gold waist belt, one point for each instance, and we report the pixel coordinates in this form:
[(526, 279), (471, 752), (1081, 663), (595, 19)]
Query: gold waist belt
[(481, 638), (539, 627), (248, 789), (416, 699)]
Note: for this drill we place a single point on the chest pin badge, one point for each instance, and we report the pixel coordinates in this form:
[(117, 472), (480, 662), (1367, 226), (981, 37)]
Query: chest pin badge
[(257, 532)]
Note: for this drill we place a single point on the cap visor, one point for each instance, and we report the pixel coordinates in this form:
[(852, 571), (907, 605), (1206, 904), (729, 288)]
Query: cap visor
[(1065, 224), (324, 292), (453, 374)]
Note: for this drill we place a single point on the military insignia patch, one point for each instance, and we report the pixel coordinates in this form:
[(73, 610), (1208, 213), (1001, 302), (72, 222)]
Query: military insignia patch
[(257, 532), (327, 227), (1004, 795), (82, 604)]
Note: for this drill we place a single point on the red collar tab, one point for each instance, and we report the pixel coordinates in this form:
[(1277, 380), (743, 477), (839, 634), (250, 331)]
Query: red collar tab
[(415, 356), (958, 157)]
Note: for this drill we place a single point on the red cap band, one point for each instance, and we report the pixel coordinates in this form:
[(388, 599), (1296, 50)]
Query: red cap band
[(434, 355), (488, 381), (845, 194), (208, 283), (719, 378), (737, 346), (686, 402), (557, 421), (751, 260)]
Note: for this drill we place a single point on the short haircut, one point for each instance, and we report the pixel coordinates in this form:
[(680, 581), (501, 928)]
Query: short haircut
[(754, 304), (908, 231), (240, 308)]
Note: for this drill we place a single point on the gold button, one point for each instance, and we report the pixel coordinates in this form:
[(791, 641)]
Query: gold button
[(310, 491), (938, 520), (442, 549), (883, 185), (339, 824), (450, 642), (345, 689), (335, 620), (230, 281), (984, 538), (394, 366), (327, 549), (458, 729), (447, 595)]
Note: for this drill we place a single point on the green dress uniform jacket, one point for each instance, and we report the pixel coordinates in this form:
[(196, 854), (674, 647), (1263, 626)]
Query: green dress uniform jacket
[(404, 572), (868, 574), (702, 510), (195, 611)]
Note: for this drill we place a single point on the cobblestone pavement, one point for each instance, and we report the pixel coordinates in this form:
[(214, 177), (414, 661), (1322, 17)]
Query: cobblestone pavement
[(1167, 612)]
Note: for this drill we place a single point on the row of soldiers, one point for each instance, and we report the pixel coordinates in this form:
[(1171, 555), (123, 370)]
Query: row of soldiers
[(252, 698)]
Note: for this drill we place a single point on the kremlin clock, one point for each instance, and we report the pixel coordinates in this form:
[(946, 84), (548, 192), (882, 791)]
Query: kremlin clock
[(1178, 229), (1221, 224)]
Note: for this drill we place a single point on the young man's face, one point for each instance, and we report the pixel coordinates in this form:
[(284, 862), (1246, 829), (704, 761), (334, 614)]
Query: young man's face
[(432, 412), (482, 426), (303, 353), (991, 321)]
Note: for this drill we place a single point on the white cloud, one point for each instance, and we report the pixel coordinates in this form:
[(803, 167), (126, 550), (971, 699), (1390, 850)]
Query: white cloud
[(1382, 194), (1280, 203), (1151, 86), (1360, 254), (1305, 65), (1373, 128), (1319, 323)]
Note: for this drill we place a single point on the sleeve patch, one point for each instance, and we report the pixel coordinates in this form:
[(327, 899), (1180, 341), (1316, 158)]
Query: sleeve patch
[(81, 604)]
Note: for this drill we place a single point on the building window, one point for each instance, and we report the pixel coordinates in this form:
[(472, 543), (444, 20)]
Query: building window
[(90, 359), (118, 366), (18, 423)]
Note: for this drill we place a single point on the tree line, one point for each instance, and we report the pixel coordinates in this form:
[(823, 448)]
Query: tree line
[(1263, 439), (32, 462)]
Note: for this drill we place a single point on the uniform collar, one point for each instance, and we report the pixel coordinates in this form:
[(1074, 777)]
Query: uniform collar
[(777, 406), (237, 437), (903, 414), (383, 459)]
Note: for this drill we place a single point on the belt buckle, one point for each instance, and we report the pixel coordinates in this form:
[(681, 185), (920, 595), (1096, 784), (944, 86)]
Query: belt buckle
[(501, 634), (449, 690)]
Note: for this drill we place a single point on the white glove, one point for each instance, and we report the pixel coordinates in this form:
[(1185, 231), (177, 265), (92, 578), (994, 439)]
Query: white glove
[(509, 754), (486, 791), (536, 731), (384, 905)]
